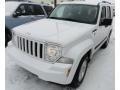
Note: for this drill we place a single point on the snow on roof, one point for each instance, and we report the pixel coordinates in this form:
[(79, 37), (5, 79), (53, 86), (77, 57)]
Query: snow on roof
[(24, 2), (10, 6)]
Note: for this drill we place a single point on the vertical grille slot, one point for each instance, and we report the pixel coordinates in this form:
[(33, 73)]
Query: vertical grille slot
[(30, 47), (23, 44), (36, 49), (27, 42), (18, 42), (41, 48)]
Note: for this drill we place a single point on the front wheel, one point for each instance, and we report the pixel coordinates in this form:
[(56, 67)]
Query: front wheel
[(106, 43), (81, 72)]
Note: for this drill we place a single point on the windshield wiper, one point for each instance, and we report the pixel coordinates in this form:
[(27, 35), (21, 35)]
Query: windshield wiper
[(68, 19), (56, 18)]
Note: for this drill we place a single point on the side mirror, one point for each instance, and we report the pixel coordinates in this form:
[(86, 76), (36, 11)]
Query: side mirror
[(16, 14), (106, 22)]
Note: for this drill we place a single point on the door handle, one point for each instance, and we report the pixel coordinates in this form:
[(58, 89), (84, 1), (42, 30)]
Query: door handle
[(94, 30)]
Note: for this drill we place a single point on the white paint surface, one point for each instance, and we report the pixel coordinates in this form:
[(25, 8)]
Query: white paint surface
[(100, 74)]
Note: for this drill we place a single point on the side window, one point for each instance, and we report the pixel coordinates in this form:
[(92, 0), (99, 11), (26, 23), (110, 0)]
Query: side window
[(21, 9), (103, 13), (37, 10), (48, 9), (108, 12), (25, 9), (30, 9)]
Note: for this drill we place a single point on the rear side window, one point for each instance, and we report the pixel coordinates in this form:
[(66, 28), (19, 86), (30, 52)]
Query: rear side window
[(30, 9), (103, 13), (108, 12), (38, 10), (48, 9)]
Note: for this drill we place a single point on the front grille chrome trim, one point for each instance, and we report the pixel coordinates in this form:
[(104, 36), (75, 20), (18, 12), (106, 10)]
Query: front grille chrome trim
[(30, 47), (40, 47)]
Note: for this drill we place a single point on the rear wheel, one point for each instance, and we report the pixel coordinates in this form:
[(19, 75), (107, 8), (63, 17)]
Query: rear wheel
[(81, 72)]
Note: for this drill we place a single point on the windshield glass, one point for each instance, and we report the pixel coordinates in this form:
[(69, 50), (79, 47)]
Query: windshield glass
[(76, 12)]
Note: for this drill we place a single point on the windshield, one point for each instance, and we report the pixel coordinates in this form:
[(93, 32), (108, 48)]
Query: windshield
[(76, 12)]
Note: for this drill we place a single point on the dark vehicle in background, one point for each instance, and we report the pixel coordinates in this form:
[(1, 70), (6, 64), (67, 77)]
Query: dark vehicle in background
[(18, 13)]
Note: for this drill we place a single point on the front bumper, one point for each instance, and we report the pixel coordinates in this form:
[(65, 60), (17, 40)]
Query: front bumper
[(57, 72)]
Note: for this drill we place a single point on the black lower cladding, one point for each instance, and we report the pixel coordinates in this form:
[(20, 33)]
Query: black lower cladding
[(100, 42), (20, 43)]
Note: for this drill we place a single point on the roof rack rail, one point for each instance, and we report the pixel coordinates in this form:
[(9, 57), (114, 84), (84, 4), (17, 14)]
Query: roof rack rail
[(82, 0), (106, 2), (30, 1)]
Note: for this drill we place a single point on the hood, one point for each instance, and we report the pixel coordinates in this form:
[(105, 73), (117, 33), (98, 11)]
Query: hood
[(7, 14), (51, 30)]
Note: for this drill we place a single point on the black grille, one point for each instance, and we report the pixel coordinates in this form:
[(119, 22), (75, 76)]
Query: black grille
[(30, 47)]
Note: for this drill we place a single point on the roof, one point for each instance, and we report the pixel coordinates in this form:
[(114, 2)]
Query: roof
[(23, 2), (88, 2), (10, 6)]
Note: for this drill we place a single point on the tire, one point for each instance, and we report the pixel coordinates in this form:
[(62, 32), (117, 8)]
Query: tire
[(8, 36), (104, 46), (81, 72), (6, 41)]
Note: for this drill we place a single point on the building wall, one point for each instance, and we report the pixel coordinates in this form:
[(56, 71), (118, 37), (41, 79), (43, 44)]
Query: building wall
[(43, 1), (15, 0)]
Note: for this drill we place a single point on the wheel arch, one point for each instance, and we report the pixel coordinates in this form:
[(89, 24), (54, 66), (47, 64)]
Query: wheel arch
[(87, 48)]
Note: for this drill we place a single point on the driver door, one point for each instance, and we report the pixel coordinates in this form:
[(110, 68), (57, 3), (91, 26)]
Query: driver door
[(99, 33)]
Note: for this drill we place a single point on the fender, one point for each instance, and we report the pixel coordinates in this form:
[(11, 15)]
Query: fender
[(77, 55)]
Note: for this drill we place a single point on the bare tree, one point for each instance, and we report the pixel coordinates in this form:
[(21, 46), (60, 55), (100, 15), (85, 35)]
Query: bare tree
[(55, 3)]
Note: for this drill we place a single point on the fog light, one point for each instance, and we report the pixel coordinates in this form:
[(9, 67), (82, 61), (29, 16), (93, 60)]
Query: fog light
[(65, 60)]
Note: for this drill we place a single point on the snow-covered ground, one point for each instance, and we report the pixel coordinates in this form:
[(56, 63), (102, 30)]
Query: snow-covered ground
[(100, 74)]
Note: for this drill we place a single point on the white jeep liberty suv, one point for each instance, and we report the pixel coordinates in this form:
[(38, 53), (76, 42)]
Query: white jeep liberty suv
[(58, 48)]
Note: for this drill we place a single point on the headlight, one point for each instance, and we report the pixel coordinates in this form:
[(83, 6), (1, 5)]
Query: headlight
[(52, 52)]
